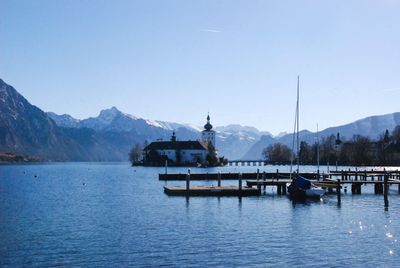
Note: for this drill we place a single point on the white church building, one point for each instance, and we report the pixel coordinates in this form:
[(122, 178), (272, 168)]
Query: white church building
[(180, 152)]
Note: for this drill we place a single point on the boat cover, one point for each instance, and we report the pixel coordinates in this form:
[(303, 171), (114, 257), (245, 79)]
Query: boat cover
[(303, 183)]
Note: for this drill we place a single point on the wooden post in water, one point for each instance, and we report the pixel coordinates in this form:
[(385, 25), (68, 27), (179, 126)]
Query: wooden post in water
[(353, 188), (240, 183), (338, 191), (166, 167), (263, 177), (277, 174), (219, 179), (188, 181), (385, 191), (278, 189), (380, 188)]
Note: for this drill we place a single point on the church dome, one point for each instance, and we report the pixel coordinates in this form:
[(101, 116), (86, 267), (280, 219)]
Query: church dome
[(208, 126)]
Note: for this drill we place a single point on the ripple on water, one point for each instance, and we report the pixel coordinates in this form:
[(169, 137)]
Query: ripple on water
[(118, 217)]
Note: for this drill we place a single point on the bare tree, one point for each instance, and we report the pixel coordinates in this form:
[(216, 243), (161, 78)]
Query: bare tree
[(135, 154), (277, 153)]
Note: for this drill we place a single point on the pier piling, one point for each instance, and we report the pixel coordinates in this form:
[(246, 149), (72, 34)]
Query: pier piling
[(240, 181), (279, 189), (188, 181), (385, 191)]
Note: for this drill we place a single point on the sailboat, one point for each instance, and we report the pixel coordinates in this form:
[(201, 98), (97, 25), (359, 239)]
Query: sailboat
[(300, 187)]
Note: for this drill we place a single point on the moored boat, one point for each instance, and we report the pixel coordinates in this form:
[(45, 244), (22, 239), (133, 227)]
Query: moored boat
[(301, 188)]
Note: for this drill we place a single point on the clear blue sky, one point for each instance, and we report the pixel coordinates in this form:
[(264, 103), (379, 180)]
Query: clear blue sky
[(177, 60)]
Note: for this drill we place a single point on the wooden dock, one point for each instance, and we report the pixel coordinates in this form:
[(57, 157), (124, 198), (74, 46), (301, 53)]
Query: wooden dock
[(211, 191), (234, 176), (333, 182)]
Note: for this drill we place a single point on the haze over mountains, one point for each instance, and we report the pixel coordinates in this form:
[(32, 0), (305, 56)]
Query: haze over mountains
[(26, 129)]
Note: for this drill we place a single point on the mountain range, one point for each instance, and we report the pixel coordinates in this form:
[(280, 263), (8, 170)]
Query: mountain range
[(26, 129), (232, 140), (370, 127)]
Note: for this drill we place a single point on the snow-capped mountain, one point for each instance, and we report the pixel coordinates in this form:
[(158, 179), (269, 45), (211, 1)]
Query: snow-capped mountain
[(232, 140), (26, 129), (64, 120)]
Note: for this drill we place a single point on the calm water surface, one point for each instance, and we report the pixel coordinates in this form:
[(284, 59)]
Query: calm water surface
[(113, 215)]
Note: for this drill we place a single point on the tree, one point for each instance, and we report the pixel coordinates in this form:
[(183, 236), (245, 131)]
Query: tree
[(361, 151), (305, 153), (386, 137), (327, 149), (212, 157), (277, 153), (394, 147), (396, 135), (358, 151), (382, 148), (135, 154)]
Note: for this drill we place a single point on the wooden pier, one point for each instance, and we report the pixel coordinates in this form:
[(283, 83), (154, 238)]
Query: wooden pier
[(211, 191), (333, 182), (234, 176)]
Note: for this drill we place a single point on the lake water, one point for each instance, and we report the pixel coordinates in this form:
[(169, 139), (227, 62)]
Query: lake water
[(113, 215)]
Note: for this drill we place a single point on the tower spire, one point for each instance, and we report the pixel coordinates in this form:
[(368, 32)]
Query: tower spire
[(208, 135), (208, 126)]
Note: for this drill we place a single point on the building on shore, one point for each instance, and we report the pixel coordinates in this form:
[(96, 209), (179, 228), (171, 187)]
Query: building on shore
[(183, 153), (175, 152)]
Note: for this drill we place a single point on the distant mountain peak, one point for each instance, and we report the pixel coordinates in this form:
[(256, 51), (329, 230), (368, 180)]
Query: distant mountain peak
[(281, 134), (64, 120), (111, 112)]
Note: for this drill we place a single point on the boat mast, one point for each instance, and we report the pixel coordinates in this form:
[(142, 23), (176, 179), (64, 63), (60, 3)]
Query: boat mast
[(317, 150), (295, 134), (297, 117)]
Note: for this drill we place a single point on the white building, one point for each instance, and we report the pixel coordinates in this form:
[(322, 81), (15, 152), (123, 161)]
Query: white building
[(208, 135), (175, 152), (180, 152)]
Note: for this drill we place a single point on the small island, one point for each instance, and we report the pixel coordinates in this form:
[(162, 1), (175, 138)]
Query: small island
[(199, 153)]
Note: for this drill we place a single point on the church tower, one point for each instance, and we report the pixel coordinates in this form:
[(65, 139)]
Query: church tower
[(208, 135)]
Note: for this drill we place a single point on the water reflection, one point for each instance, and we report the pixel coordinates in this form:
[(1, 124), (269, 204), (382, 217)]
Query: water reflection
[(117, 220)]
